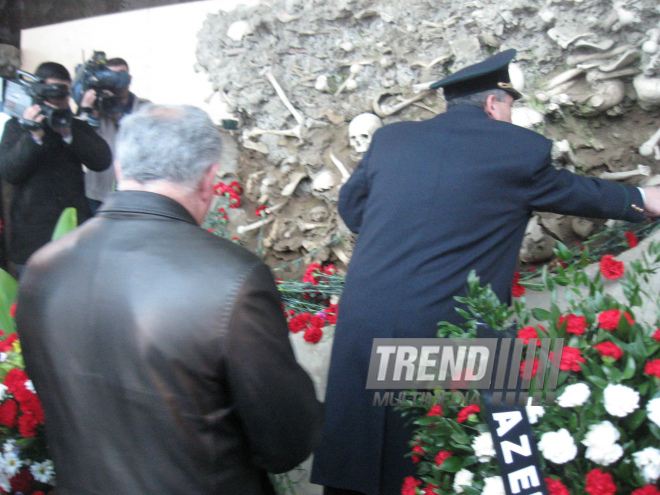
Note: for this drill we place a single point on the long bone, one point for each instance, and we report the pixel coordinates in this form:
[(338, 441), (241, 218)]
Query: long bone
[(241, 229), (646, 149), (640, 170), (386, 110)]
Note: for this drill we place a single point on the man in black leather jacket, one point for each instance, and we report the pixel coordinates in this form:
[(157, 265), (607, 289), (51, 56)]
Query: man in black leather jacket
[(160, 351)]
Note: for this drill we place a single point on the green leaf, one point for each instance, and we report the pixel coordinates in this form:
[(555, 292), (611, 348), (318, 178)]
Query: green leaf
[(67, 222), (452, 464), (629, 370), (8, 287), (634, 420), (541, 314)]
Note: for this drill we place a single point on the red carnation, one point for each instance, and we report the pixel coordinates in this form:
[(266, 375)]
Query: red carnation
[(5, 345), (8, 411), (574, 324), (467, 411), (15, 380), (631, 238), (22, 482), (417, 449), (12, 310), (261, 209), (330, 270), (535, 367), (409, 485), (313, 334), (599, 483), (331, 313), (609, 349), (442, 456), (435, 410), (27, 425), (646, 490), (656, 335), (609, 320), (431, 490), (299, 322), (611, 268), (236, 187), (571, 358), (556, 487), (517, 290), (234, 199), (311, 273), (529, 333), (653, 368)]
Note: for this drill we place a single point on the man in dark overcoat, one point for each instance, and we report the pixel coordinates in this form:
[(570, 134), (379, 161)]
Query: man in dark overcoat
[(431, 201)]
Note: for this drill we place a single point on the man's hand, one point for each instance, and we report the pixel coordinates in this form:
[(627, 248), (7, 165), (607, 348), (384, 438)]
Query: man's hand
[(62, 131), (33, 114), (652, 202), (87, 102)]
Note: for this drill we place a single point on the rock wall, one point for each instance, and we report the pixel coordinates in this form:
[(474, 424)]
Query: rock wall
[(295, 73)]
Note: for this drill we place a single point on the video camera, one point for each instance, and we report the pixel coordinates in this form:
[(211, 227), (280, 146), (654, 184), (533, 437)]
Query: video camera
[(27, 90), (95, 74)]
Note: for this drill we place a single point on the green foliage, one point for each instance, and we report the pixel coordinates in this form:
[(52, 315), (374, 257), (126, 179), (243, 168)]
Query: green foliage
[(8, 288), (67, 222)]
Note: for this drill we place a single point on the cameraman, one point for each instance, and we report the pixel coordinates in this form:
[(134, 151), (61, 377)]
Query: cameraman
[(44, 166), (106, 122)]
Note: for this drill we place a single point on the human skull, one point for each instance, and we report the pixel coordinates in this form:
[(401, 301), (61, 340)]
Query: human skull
[(361, 129)]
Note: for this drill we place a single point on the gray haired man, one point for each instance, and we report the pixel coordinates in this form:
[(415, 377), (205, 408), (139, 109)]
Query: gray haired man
[(160, 351)]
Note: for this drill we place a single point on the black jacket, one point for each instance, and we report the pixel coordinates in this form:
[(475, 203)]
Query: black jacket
[(162, 358), (46, 179)]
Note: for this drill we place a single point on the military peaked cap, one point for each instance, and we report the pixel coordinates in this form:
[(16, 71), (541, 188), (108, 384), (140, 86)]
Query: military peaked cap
[(492, 73)]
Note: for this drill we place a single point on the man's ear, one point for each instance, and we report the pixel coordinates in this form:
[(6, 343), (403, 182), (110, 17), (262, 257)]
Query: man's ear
[(489, 107), (206, 184)]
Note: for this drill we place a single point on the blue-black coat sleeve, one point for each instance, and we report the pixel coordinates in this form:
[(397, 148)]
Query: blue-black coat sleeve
[(563, 192)]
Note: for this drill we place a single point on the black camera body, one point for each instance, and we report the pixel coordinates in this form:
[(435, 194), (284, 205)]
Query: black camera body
[(27, 90), (95, 74)]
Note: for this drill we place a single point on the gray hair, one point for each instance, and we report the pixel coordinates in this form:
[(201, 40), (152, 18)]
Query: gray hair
[(173, 143), (478, 99)]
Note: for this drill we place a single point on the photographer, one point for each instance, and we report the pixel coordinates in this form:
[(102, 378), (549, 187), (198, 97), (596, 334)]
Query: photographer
[(42, 159), (103, 109)]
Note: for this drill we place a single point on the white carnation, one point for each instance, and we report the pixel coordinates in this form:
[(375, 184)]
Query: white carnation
[(43, 472), (3, 391), (602, 434), (648, 461), (653, 409), (620, 400), (534, 413), (493, 486), (483, 446), (604, 455), (574, 395), (463, 478), (558, 446)]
